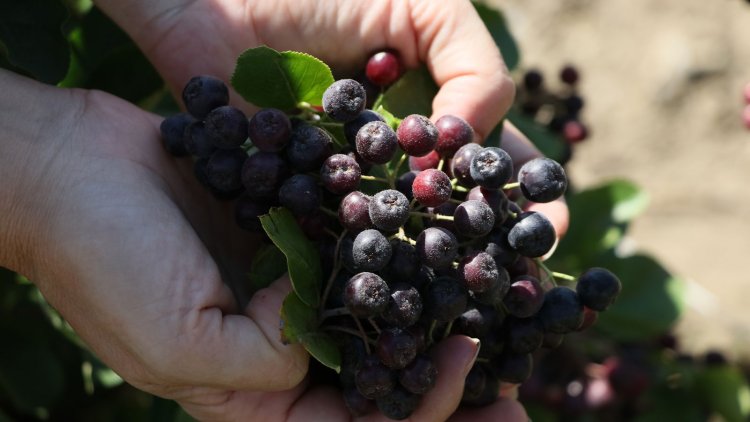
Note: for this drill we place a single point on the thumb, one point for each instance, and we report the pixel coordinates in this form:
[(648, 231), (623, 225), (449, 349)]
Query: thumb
[(465, 63), (245, 352)]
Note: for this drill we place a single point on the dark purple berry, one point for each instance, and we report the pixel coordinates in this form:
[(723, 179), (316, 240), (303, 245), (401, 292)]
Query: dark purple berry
[(473, 219), (419, 376), (357, 404), (354, 212), (525, 297), (404, 264), (569, 75), (445, 299), (513, 368), (300, 194), (263, 174), (496, 200), (224, 168), (562, 311), (404, 307), (474, 384), (404, 184), (524, 335), (389, 210), (344, 100), (226, 126), (308, 147), (533, 235), (373, 379), (366, 295), (340, 174), (417, 135), (475, 322), (270, 130), (533, 80), (371, 251), (495, 294), (399, 404), (376, 142), (598, 288), (461, 164), (454, 132), (542, 180), (396, 348), (491, 168), (499, 248), (173, 133), (437, 247), (351, 128), (203, 94), (197, 141), (478, 271)]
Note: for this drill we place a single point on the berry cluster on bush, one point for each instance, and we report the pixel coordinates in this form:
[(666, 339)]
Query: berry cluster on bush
[(410, 256), (558, 109)]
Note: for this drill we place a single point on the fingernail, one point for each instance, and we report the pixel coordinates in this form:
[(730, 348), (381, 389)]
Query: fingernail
[(477, 345)]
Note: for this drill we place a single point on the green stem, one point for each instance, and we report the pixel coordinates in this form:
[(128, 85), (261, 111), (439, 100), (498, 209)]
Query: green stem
[(335, 272), (511, 185), (430, 332), (329, 212), (334, 312), (563, 276), (447, 331), (441, 163), (431, 216), (374, 178)]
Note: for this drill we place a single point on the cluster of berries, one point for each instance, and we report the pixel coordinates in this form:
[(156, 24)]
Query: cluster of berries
[(559, 110), (412, 256)]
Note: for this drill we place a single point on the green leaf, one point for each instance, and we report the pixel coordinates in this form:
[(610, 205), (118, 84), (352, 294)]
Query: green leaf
[(268, 264), (598, 220), (302, 258), (268, 78), (650, 302), (549, 143), (495, 22), (297, 319), (392, 120), (34, 42), (726, 392), (412, 94), (322, 347)]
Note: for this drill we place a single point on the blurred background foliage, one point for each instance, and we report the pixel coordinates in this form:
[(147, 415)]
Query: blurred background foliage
[(47, 373)]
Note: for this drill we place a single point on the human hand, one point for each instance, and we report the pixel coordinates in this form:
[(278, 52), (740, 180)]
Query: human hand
[(130, 249)]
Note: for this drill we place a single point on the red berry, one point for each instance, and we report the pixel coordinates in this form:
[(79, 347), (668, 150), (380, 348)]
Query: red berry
[(429, 161), (574, 131), (383, 68), (432, 187)]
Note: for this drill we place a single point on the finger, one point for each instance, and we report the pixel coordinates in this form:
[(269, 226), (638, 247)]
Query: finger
[(522, 150), (239, 352), (453, 357), (465, 63)]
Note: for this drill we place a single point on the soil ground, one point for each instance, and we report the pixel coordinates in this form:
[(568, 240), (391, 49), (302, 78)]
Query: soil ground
[(663, 85)]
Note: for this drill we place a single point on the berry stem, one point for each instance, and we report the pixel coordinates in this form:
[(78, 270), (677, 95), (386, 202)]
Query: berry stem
[(363, 336), (329, 212), (347, 330), (374, 325), (430, 332), (334, 312), (401, 235), (448, 328), (511, 185), (563, 276), (456, 187), (441, 163), (374, 178), (431, 216), (335, 272)]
